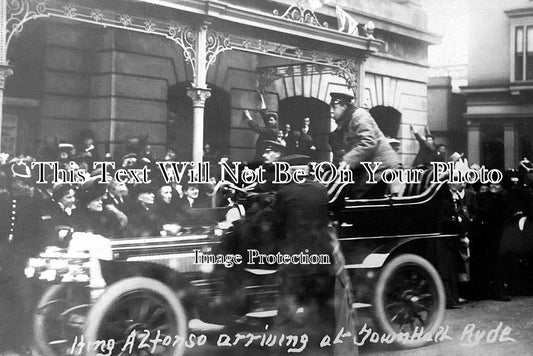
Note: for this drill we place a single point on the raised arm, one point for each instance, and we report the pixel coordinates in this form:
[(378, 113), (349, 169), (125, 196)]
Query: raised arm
[(263, 109), (419, 138), (251, 123)]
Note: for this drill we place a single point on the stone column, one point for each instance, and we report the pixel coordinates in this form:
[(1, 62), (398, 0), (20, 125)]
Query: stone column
[(473, 142), (199, 93), (5, 70), (198, 96), (510, 145)]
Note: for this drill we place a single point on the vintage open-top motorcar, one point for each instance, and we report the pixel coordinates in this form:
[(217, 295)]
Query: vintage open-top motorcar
[(110, 289)]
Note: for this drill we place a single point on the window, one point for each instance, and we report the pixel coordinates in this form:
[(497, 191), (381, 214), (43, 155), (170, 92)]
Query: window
[(523, 53), (519, 54)]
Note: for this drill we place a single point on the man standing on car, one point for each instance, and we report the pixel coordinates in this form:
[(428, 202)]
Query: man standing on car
[(358, 139)]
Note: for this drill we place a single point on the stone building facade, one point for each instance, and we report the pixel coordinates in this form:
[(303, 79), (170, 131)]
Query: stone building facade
[(182, 71), (500, 83)]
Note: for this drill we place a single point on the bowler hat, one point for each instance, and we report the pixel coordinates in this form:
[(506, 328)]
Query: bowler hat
[(340, 98), (60, 191), (187, 185), (143, 188), (87, 133), (271, 114), (456, 156), (90, 192)]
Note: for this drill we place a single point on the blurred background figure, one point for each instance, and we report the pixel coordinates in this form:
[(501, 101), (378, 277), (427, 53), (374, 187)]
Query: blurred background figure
[(166, 205), (440, 153), (427, 149), (86, 148), (92, 216), (142, 218)]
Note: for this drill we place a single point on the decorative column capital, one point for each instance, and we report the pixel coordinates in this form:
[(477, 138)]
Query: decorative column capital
[(198, 96), (5, 71)]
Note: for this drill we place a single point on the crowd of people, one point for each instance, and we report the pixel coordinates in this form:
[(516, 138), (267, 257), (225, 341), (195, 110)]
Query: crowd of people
[(494, 254), (293, 140), (36, 215), (32, 214), (496, 220)]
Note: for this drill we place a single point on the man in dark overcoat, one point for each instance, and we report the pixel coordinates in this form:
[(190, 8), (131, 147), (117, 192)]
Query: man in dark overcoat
[(20, 238), (358, 139), (302, 226), (142, 218)]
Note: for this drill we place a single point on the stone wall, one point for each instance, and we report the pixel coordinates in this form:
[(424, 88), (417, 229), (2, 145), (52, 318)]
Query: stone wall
[(402, 86), (112, 81), (116, 83), (68, 52)]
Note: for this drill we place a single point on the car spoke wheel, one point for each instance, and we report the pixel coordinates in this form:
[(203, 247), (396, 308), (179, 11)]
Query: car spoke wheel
[(59, 319), (409, 298), (134, 313)]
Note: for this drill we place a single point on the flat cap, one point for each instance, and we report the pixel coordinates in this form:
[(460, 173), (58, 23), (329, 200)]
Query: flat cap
[(296, 160), (270, 145), (340, 98)]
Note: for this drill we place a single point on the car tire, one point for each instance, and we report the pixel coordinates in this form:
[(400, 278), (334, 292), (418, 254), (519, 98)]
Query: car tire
[(409, 288), (54, 328), (137, 299)]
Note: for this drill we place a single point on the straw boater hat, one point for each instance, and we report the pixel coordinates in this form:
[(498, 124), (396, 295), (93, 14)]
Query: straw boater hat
[(456, 156)]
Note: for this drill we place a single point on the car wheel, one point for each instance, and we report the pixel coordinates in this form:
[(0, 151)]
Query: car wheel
[(59, 319), (137, 310), (409, 296)]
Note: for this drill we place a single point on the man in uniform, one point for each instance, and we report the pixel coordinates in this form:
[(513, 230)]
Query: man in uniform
[(20, 239), (358, 139)]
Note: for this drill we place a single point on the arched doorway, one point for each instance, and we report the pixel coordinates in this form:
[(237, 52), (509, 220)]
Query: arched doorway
[(492, 147), (180, 120), (294, 109), (388, 119)]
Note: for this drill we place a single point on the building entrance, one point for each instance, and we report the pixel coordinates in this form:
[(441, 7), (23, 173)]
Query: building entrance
[(180, 122), (294, 109)]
